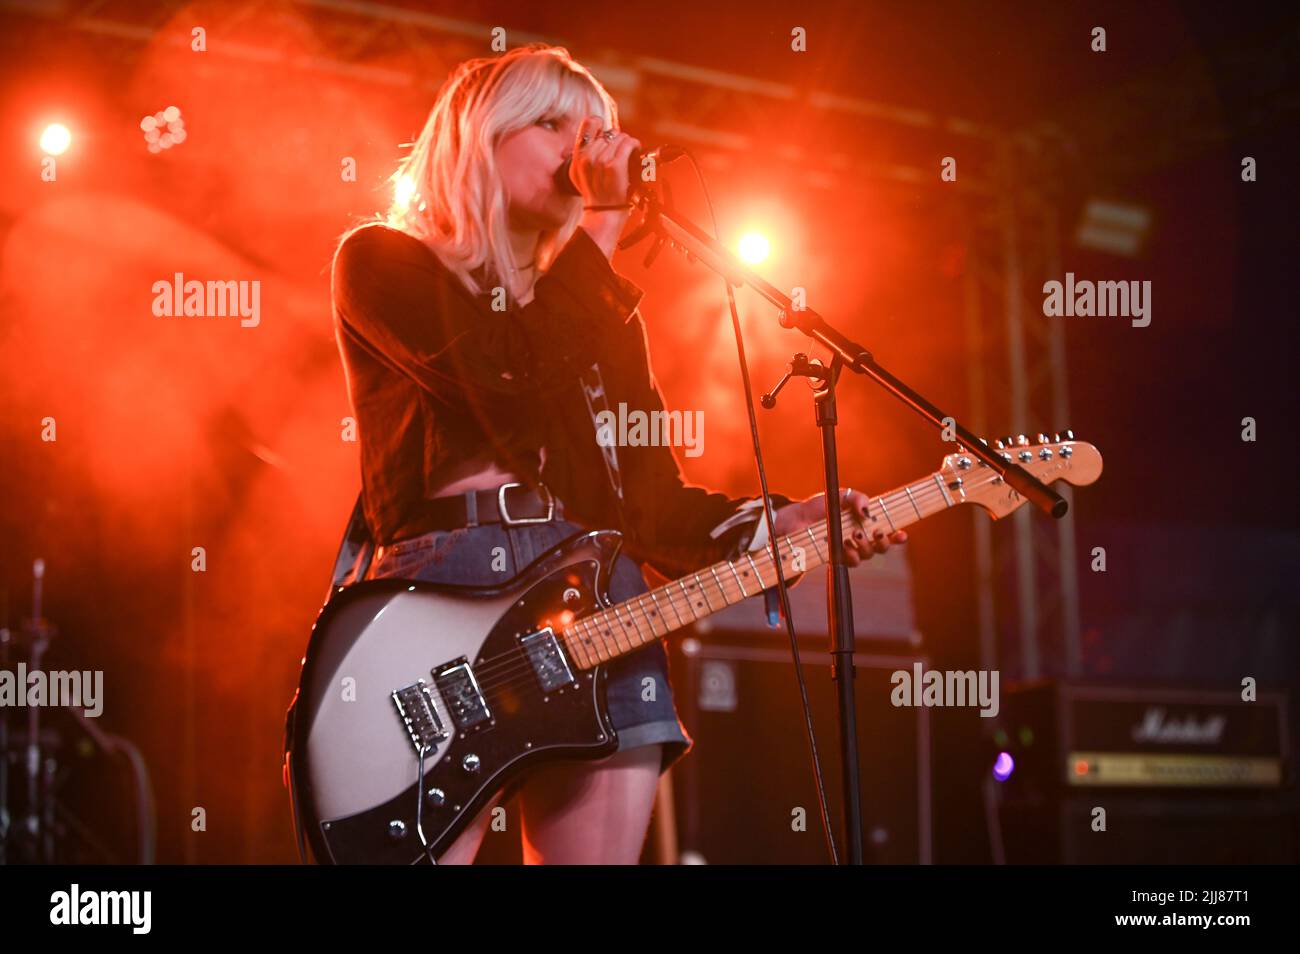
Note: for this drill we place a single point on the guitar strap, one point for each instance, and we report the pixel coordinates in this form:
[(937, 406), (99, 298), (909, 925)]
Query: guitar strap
[(356, 549), (593, 391)]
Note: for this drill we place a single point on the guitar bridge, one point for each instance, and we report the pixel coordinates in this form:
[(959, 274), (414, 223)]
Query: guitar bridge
[(415, 706)]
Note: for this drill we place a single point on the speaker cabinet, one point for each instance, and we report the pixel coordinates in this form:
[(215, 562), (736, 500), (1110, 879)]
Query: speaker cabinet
[(745, 794)]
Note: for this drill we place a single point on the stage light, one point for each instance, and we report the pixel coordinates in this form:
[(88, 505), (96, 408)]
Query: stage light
[(163, 129), (55, 139), (1003, 766), (1117, 227), (753, 248)]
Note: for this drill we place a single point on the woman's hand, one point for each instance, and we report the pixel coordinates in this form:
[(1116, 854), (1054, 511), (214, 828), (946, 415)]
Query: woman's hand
[(600, 172), (857, 546)]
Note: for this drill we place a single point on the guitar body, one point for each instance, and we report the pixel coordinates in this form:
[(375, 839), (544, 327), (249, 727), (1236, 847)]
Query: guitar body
[(473, 675)]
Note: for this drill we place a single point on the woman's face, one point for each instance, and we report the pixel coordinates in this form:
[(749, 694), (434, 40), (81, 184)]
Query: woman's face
[(527, 160)]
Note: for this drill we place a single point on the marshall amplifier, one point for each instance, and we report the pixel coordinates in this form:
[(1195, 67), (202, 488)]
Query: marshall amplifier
[(1093, 736), (1183, 776)]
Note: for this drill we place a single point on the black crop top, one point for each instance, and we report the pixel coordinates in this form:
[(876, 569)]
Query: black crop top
[(436, 376)]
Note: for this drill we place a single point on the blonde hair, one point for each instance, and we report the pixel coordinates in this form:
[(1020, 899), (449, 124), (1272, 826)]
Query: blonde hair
[(447, 192)]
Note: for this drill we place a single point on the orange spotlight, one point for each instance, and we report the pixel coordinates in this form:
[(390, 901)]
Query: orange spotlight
[(753, 248), (55, 139)]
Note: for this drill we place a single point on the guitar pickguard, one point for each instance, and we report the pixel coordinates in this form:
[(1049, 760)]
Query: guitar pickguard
[(484, 713)]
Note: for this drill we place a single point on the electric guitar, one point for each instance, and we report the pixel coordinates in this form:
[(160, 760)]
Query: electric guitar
[(473, 686)]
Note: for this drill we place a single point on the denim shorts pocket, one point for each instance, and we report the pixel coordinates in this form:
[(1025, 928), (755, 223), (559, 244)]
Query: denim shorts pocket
[(405, 558), (468, 556)]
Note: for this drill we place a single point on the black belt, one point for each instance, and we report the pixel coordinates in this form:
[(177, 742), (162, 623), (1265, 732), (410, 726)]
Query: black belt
[(511, 504)]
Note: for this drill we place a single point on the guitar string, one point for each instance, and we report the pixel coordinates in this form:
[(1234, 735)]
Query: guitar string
[(517, 666), (516, 661), (499, 672), (519, 671)]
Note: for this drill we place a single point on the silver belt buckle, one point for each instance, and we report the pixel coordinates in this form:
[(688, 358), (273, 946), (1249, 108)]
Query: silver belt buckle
[(510, 521)]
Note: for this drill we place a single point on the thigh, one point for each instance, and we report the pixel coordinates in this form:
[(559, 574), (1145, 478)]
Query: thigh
[(465, 847), (590, 813)]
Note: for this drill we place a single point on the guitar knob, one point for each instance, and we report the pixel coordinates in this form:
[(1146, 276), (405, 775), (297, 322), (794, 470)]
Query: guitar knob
[(470, 763), (397, 829), (436, 797)]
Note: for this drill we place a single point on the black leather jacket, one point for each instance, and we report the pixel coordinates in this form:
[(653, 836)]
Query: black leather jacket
[(435, 375)]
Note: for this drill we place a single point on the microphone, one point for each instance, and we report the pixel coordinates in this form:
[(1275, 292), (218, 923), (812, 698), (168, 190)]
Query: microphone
[(661, 155)]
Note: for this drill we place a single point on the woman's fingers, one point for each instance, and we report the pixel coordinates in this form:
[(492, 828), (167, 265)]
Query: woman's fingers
[(861, 542), (586, 135), (603, 161), (856, 501)]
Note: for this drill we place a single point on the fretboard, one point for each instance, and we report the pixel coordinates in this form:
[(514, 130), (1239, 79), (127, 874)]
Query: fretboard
[(629, 625)]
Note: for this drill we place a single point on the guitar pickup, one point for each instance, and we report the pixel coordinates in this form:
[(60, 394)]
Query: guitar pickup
[(462, 695), (548, 662), (415, 706)]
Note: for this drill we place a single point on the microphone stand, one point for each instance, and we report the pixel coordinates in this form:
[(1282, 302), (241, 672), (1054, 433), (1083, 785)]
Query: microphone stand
[(671, 228)]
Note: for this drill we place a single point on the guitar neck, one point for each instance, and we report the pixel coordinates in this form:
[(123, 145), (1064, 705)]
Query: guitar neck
[(634, 623)]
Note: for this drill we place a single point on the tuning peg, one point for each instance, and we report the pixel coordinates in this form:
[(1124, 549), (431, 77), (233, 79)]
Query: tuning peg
[(1008, 441), (1069, 435), (1022, 440), (999, 445), (1042, 438)]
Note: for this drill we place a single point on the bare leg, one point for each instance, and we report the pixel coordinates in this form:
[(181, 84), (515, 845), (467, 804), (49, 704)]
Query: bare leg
[(465, 847), (590, 813)]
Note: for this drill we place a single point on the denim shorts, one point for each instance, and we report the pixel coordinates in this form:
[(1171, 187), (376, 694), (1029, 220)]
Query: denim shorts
[(465, 556)]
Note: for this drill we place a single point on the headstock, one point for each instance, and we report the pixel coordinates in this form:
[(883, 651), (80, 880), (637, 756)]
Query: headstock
[(1059, 457)]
